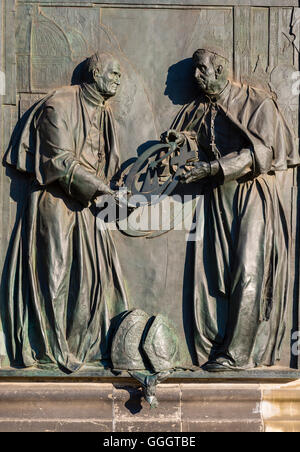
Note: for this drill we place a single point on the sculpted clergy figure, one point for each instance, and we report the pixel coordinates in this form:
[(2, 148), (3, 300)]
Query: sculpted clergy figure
[(64, 280), (241, 257)]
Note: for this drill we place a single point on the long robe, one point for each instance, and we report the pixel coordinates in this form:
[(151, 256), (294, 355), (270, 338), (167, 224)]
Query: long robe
[(64, 282), (242, 248)]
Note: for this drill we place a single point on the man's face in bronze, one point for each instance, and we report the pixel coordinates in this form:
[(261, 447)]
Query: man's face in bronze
[(108, 80), (211, 72)]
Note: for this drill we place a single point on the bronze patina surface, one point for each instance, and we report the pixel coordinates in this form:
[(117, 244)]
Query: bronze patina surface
[(64, 282), (242, 269), (73, 130)]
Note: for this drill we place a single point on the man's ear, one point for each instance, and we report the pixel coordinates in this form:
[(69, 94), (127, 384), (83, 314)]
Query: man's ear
[(96, 73), (219, 69)]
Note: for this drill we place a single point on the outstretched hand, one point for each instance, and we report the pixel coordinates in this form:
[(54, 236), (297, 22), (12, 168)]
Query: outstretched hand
[(200, 171)]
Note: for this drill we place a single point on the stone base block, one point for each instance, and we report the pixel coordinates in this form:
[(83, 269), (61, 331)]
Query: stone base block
[(183, 407)]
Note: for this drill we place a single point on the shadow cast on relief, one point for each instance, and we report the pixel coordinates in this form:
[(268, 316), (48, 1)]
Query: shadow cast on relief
[(134, 403), (180, 84)]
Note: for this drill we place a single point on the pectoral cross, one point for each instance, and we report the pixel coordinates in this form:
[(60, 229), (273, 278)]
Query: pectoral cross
[(213, 145)]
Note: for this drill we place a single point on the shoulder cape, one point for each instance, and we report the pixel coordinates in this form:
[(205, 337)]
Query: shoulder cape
[(258, 116), (22, 152)]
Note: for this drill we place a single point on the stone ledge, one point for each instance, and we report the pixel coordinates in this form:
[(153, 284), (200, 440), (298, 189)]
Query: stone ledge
[(63, 426), (221, 403), (284, 426), (55, 401), (148, 426), (99, 407), (281, 407), (223, 426), (122, 408)]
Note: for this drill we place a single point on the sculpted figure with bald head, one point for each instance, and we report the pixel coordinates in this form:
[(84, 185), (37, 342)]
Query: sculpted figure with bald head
[(68, 276), (242, 251), (103, 71)]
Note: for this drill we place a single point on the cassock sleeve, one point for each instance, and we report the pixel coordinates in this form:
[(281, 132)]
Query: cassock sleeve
[(57, 161), (236, 164)]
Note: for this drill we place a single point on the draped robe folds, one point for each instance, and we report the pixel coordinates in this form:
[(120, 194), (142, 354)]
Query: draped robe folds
[(242, 247), (64, 281)]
